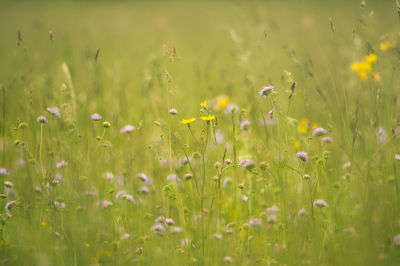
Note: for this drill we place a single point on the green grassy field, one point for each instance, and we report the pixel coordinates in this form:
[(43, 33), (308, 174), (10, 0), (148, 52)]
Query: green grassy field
[(304, 172)]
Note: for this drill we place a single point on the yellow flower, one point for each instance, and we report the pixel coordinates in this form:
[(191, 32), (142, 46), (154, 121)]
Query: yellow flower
[(315, 125), (361, 66), (208, 118), (87, 245), (303, 124), (222, 102), (363, 75), (43, 224), (188, 121), (370, 59), (384, 46), (107, 253), (297, 144), (204, 104), (376, 76)]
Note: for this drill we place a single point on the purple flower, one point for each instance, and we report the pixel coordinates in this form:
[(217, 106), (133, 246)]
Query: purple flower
[(42, 119), (106, 204), (327, 139), (302, 155), (271, 113), (188, 176), (231, 108), (158, 229), (61, 164), (54, 111), (143, 177), (320, 203), (255, 222), (247, 164), (96, 117), (173, 111), (173, 177), (127, 129), (302, 212), (245, 125), (397, 157), (319, 131), (9, 184), (8, 205), (3, 171), (266, 91), (144, 190), (381, 136)]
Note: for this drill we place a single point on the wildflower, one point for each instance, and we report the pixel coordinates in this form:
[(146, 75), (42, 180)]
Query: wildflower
[(297, 144), (61, 164), (271, 113), (272, 214), (302, 155), (245, 125), (108, 175), (381, 136), (397, 157), (376, 76), (208, 118), (320, 203), (143, 177), (255, 222), (144, 190), (247, 164), (217, 236), (219, 136), (9, 184), (188, 176), (188, 121), (204, 104), (385, 46), (319, 131), (158, 229), (301, 212), (173, 177), (106, 204), (106, 124), (54, 111), (42, 120), (327, 139), (245, 198), (3, 171), (96, 117), (232, 108), (222, 102), (125, 236), (173, 111), (266, 91), (303, 125), (396, 240), (8, 206), (127, 129), (128, 197), (43, 224), (87, 245), (370, 59)]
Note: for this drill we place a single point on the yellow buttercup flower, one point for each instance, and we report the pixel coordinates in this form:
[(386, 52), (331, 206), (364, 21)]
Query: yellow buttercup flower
[(384, 46), (188, 121), (222, 102), (43, 224), (376, 76), (370, 59), (303, 124), (208, 118), (204, 104), (297, 144)]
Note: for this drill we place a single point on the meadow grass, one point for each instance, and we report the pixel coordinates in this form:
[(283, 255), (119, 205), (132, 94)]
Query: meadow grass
[(291, 158)]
